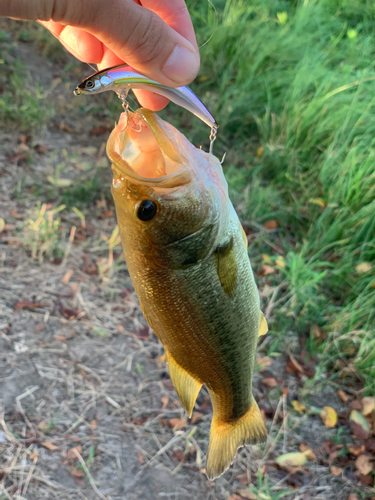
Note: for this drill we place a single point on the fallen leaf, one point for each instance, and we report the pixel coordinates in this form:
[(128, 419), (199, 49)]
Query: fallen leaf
[(363, 268), (49, 446), (298, 406), (328, 416), (260, 151), (164, 400), (264, 362), (294, 459), (265, 270), (293, 365), (317, 201), (26, 304), (244, 479), (364, 465), (368, 405), (359, 425), (2, 224), (356, 449), (270, 382), (247, 494), (196, 416), (106, 214), (67, 276), (179, 455), (99, 130), (177, 423), (336, 471), (143, 333), (343, 396), (280, 261), (308, 452), (77, 473), (356, 405), (232, 497), (70, 454), (93, 425), (353, 496), (367, 480), (271, 224)]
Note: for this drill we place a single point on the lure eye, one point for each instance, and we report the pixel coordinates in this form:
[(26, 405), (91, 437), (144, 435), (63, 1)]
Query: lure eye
[(146, 210), (90, 84)]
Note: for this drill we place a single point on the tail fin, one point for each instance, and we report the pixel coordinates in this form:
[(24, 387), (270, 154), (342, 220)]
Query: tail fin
[(227, 437)]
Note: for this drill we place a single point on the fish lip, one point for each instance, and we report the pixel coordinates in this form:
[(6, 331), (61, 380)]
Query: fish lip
[(175, 179)]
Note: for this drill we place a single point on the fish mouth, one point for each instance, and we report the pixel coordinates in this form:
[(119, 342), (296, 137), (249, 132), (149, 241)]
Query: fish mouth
[(143, 148)]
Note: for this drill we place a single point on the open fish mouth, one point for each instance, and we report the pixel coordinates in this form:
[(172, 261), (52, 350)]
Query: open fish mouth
[(144, 149)]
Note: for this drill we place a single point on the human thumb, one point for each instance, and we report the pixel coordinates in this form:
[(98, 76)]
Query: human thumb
[(134, 33)]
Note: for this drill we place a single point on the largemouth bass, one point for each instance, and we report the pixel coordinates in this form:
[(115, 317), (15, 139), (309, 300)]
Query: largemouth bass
[(187, 256)]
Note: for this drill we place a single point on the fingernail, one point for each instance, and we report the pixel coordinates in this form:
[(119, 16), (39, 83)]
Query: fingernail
[(182, 65)]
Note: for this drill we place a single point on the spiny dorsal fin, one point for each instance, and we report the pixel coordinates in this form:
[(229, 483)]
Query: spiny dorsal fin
[(187, 387), (226, 267), (263, 327)]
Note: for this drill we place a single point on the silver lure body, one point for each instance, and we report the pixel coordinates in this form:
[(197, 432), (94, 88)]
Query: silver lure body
[(119, 78)]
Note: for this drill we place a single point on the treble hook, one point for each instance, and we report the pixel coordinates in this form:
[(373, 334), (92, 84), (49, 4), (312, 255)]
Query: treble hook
[(212, 138)]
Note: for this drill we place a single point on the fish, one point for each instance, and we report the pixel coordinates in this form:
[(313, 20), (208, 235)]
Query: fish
[(120, 78), (187, 256)]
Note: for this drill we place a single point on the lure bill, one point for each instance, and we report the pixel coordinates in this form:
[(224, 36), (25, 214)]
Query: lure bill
[(187, 256), (119, 78)]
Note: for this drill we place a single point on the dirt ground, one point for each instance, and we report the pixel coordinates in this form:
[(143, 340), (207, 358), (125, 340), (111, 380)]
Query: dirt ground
[(87, 408)]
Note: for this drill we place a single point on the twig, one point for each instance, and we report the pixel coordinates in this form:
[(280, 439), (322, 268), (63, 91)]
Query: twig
[(89, 476)]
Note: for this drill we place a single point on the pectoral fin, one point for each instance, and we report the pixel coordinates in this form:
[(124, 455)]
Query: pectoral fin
[(227, 267), (263, 327), (187, 387)]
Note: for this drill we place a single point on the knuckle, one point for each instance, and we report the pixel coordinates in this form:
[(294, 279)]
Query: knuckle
[(149, 40)]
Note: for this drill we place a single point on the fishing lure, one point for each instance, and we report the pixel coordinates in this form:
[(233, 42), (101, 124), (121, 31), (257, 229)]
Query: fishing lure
[(120, 80)]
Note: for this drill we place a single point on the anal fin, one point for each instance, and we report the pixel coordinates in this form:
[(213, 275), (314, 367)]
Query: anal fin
[(263, 327), (187, 387)]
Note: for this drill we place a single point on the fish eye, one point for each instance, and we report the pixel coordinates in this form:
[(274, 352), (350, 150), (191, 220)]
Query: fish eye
[(146, 210), (90, 84)]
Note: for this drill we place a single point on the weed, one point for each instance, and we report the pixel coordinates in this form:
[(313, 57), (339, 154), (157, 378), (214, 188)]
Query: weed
[(41, 234)]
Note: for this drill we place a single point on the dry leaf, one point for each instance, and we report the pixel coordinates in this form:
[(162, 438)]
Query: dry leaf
[(260, 151), (67, 276), (196, 416), (298, 406), (364, 465), (244, 479), (247, 494), (363, 268), (27, 304), (317, 201), (271, 224), (359, 425), (356, 449), (353, 496), (308, 452), (280, 261), (164, 400), (270, 382), (368, 405), (295, 459), (49, 446), (2, 224), (93, 425), (77, 473), (336, 471), (294, 366), (328, 416), (177, 423), (70, 455), (264, 362), (343, 396), (265, 270)]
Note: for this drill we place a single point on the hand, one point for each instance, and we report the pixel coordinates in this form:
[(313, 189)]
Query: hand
[(155, 37)]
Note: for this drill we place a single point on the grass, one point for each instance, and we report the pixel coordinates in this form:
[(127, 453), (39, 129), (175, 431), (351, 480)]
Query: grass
[(305, 96), (292, 85)]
